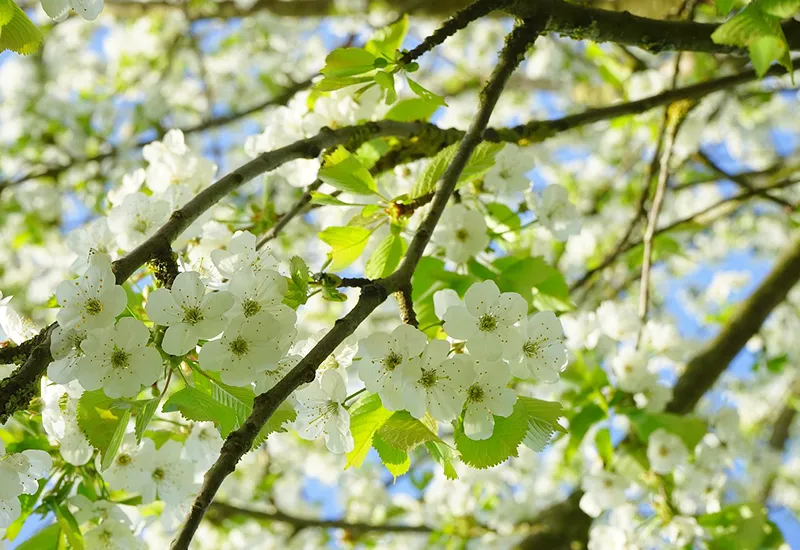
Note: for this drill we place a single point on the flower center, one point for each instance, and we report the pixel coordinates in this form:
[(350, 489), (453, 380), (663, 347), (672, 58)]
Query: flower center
[(94, 306), (487, 323), (250, 307), (504, 174), (239, 346), (392, 360), (119, 358), (159, 474), (530, 348), (124, 459), (428, 378), (141, 225), (475, 394), (663, 451), (462, 235), (192, 315)]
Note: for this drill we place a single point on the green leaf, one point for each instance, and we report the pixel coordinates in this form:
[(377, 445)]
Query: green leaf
[(746, 26), (116, 439), (605, 449), (240, 400), (367, 416), (385, 80), (444, 456), (199, 406), (504, 442), (144, 416), (415, 108), (395, 460), (738, 527), (580, 424), (344, 62), (299, 272), (328, 200), (100, 422), (689, 428), (724, 7), (346, 173), (504, 218), (764, 50), (330, 84), (778, 8), (385, 259), (46, 539), (347, 244), (384, 42), (403, 431), (17, 32), (425, 93), (283, 414), (481, 160), (69, 526), (542, 421)]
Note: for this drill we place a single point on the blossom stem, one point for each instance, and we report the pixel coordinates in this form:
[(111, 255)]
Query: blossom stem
[(353, 396)]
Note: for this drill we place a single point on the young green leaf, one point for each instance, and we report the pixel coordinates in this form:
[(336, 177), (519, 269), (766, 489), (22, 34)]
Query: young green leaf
[(415, 108), (45, 539), (444, 456), (395, 460), (779, 8), (197, 405), (347, 244), (384, 42), (144, 416), (17, 32), (689, 428), (425, 93), (481, 160), (116, 439), (100, 420), (504, 442), (386, 81), (542, 421), (346, 173), (764, 50), (403, 431), (283, 414), (385, 259), (299, 272), (69, 526), (367, 416), (344, 62), (605, 449)]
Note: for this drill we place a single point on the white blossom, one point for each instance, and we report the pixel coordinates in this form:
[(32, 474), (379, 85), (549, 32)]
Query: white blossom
[(118, 360), (256, 291), (508, 175), (58, 10), (435, 383), (321, 411), (383, 355), (241, 253), (189, 312), (542, 354), (486, 397), (486, 321), (93, 300), (665, 451), (461, 233), (554, 211), (136, 219)]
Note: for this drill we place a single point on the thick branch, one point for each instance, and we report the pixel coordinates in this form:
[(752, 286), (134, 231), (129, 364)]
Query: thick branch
[(704, 369), (222, 510), (406, 306), (240, 441)]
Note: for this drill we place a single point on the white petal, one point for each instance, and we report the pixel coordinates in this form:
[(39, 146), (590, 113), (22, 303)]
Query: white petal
[(478, 422), (188, 290), (459, 324), (480, 297), (180, 339)]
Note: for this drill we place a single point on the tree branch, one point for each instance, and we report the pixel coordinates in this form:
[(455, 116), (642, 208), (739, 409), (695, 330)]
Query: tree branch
[(406, 306), (372, 295), (222, 510)]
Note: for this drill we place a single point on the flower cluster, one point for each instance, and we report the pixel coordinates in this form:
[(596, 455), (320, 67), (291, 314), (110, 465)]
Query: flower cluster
[(19, 475)]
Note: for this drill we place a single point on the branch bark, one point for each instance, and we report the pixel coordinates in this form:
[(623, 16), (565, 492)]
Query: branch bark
[(221, 510), (240, 441)]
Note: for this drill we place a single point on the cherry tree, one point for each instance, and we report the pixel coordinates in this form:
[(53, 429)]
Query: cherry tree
[(505, 274)]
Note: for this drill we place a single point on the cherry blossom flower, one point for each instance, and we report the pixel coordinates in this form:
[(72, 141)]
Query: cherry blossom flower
[(602, 491), (487, 396), (58, 10), (118, 360), (383, 355), (65, 347), (136, 219), (93, 300), (461, 233), (190, 313), (435, 383), (554, 211), (242, 253), (507, 176), (321, 411), (542, 354), (665, 451), (171, 163), (247, 348), (165, 473), (257, 290), (486, 321)]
